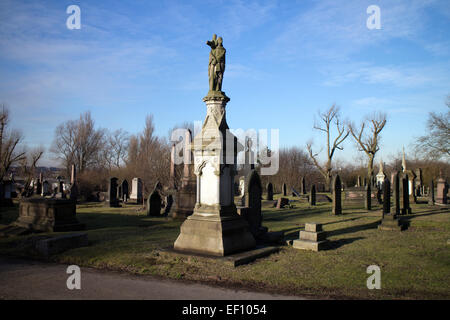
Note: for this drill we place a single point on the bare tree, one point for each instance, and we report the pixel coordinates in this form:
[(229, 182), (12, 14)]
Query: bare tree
[(116, 149), (436, 144), (148, 157), (78, 142), (328, 118), (9, 141), (369, 142), (28, 168)]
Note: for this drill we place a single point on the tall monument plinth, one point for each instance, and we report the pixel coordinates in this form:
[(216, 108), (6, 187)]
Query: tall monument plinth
[(215, 228)]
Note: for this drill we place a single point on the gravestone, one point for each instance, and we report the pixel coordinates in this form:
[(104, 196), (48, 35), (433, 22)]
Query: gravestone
[(125, 191), (154, 202), (405, 196), (73, 184), (136, 190), (253, 202), (284, 189), (380, 176), (45, 188), (269, 191), (419, 181), (61, 243), (303, 186), (48, 215), (60, 189), (186, 196), (282, 202), (368, 198), (386, 197), (337, 199), (313, 238), (312, 195), (6, 194), (355, 196), (169, 203), (396, 191), (442, 190), (112, 193), (38, 189), (358, 181), (431, 194), (379, 195)]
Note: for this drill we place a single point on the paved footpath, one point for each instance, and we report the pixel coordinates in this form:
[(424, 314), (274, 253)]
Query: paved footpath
[(23, 279)]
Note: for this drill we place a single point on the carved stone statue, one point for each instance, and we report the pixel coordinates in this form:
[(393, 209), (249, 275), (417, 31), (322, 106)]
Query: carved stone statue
[(216, 66)]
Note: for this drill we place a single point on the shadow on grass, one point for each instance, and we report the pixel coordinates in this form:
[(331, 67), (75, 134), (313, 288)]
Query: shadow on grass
[(424, 213), (332, 245), (286, 214), (116, 220), (362, 227)]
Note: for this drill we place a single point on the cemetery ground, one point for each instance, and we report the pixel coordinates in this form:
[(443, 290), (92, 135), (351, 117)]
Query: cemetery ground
[(415, 263)]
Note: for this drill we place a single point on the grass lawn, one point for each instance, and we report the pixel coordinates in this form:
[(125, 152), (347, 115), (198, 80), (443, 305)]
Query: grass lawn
[(414, 263)]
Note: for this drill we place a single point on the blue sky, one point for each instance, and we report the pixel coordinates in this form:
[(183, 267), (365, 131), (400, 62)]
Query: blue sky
[(285, 61)]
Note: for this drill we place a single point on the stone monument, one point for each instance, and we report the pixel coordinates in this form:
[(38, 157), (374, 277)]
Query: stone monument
[(136, 190), (441, 190), (337, 198), (269, 191), (186, 194), (313, 238), (215, 228), (312, 195)]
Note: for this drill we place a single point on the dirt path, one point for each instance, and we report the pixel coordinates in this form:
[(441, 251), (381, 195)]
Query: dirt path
[(23, 279)]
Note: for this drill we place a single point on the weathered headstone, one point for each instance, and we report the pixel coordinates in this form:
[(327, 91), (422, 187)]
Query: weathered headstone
[(125, 191), (312, 195), (169, 203), (368, 198), (396, 191), (431, 194), (337, 199), (442, 190), (112, 193), (48, 215), (154, 204), (269, 191), (38, 189), (380, 176), (282, 202), (73, 184), (303, 186), (136, 190), (253, 202), (386, 197), (406, 209), (186, 195), (45, 188)]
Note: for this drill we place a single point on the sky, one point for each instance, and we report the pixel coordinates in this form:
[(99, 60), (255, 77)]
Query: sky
[(286, 60)]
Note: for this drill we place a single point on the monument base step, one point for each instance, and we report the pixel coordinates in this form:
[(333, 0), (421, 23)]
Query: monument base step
[(310, 245), (11, 231), (233, 260)]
